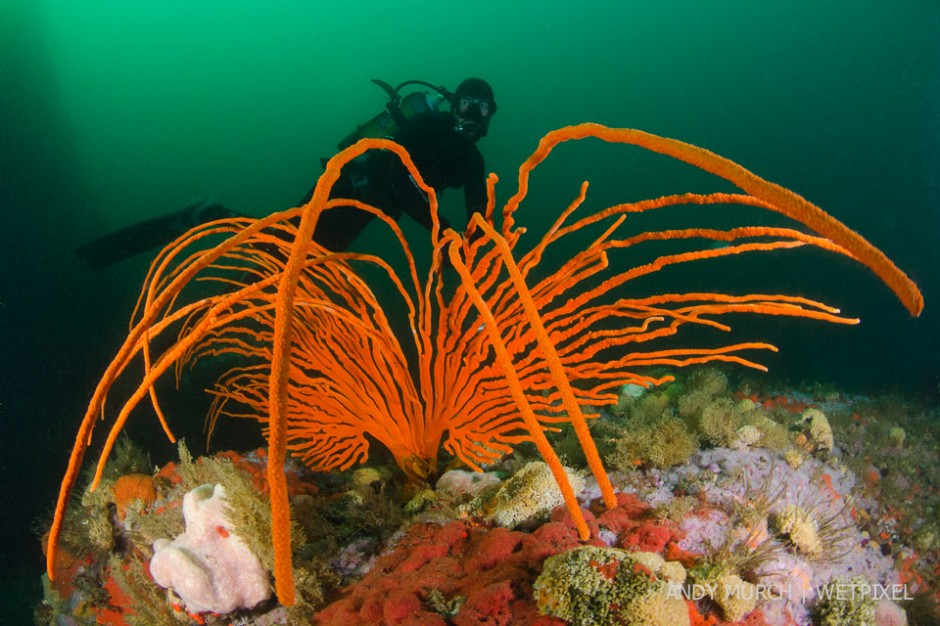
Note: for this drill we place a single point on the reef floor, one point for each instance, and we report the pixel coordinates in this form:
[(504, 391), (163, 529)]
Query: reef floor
[(736, 504)]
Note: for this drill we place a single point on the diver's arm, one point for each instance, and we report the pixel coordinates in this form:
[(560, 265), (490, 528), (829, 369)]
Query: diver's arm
[(475, 186), (422, 214)]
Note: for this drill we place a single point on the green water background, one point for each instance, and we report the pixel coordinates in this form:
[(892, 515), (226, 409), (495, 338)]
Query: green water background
[(113, 112)]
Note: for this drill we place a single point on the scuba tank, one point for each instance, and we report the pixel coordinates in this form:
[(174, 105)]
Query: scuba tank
[(398, 110)]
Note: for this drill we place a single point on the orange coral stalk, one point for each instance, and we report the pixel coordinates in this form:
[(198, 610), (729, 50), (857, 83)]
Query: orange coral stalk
[(777, 198), (505, 359), (480, 365), (281, 353), (553, 363)]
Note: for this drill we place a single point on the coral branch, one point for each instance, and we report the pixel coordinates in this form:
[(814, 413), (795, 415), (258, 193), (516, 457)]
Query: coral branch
[(337, 349)]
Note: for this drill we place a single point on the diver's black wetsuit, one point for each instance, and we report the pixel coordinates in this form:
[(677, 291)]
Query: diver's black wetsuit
[(443, 156)]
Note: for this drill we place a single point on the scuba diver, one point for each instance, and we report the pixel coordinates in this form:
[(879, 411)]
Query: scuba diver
[(442, 144)]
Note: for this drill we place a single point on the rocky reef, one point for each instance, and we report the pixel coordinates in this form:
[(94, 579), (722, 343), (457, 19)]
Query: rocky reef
[(735, 505)]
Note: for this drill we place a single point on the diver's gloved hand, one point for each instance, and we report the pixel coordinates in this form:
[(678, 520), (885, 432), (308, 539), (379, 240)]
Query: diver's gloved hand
[(446, 263)]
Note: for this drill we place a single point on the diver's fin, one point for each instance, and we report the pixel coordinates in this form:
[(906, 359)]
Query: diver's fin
[(149, 234)]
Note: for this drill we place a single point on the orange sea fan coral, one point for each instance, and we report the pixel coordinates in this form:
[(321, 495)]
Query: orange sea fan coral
[(341, 348)]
